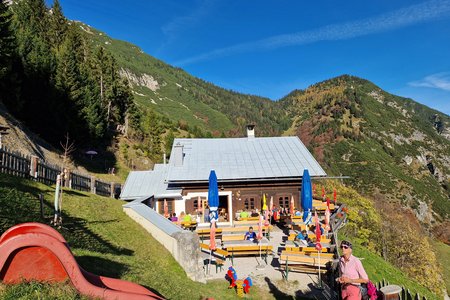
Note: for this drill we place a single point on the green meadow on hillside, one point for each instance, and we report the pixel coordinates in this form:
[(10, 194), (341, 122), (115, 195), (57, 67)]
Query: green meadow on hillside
[(105, 242)]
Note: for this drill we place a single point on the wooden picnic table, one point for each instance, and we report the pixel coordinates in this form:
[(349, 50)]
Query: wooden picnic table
[(246, 222), (226, 231), (311, 247), (247, 248), (305, 262), (311, 236)]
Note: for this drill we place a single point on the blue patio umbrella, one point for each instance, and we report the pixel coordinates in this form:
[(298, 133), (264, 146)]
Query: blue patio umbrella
[(213, 196), (306, 200)]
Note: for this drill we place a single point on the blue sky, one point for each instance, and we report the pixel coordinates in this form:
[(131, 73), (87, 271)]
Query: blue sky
[(269, 48)]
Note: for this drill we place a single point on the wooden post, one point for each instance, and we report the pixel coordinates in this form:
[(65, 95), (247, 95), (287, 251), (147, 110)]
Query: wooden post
[(113, 185), (66, 178), (93, 184), (41, 204)]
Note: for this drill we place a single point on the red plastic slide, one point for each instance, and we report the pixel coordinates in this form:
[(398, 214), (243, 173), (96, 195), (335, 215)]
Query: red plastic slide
[(34, 251)]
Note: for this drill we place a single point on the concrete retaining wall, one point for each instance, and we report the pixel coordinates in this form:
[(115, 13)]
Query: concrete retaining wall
[(182, 244)]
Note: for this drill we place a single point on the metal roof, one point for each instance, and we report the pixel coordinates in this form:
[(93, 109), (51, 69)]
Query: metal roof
[(148, 184), (242, 159)]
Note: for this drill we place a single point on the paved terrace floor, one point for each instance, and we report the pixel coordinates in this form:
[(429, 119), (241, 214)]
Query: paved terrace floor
[(270, 278)]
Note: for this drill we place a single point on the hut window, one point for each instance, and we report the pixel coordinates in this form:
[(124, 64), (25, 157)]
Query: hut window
[(283, 201), (170, 206), (249, 203), (252, 203), (195, 203)]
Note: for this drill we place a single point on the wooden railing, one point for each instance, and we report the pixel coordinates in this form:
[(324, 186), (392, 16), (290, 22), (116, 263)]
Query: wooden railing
[(31, 167)]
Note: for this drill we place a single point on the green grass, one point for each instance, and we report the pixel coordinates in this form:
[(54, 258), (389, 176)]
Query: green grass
[(41, 291), (105, 241), (443, 256)]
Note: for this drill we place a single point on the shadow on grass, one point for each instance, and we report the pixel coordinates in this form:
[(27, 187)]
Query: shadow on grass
[(78, 235), (18, 207), (21, 184), (153, 290), (102, 266), (74, 193)]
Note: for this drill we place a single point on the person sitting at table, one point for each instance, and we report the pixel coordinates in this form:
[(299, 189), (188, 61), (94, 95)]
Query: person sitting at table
[(174, 217), (303, 237), (297, 213), (244, 214), (254, 213), (313, 229), (250, 235), (187, 218)]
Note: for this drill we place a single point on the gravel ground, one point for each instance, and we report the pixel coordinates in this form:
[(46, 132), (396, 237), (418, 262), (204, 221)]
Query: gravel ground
[(271, 277)]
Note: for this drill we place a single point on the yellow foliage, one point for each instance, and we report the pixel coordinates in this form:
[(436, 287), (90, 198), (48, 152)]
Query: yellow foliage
[(364, 223), (411, 251)]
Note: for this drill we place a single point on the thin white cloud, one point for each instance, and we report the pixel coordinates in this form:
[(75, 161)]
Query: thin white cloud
[(439, 81), (407, 16), (182, 23)]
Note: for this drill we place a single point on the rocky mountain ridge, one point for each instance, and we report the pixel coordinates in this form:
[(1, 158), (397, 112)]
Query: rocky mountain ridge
[(389, 145)]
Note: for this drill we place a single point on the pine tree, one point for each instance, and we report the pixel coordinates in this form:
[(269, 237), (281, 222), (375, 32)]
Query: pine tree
[(69, 77), (7, 54), (57, 25), (6, 41)]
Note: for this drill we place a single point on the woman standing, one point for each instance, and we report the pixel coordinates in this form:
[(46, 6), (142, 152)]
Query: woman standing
[(352, 273)]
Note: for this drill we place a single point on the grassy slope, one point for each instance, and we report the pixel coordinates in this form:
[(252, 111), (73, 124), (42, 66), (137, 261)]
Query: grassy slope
[(183, 97), (105, 241), (443, 254)]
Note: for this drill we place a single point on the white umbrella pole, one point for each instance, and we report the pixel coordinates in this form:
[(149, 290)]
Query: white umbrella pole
[(260, 259), (209, 263)]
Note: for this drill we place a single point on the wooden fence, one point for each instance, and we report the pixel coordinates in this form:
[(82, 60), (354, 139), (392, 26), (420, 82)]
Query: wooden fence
[(405, 293), (30, 167)]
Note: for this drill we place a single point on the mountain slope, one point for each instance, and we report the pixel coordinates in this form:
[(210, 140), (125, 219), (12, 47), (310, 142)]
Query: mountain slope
[(181, 97), (392, 148)]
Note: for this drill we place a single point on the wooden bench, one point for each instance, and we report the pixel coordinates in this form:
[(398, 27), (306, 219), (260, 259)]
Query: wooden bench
[(220, 256), (245, 222), (305, 249), (245, 228), (323, 206), (203, 233), (303, 263), (232, 237), (250, 219), (311, 254), (249, 250)]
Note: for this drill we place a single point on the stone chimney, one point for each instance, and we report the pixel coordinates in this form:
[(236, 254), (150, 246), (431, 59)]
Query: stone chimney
[(250, 131), (177, 155)]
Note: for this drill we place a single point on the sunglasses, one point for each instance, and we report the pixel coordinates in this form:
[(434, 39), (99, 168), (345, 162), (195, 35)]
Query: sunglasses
[(344, 247)]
